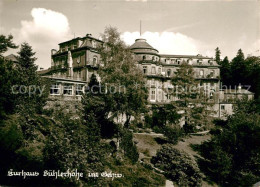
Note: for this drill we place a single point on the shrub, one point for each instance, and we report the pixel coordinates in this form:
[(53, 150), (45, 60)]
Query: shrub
[(173, 134), (178, 166)]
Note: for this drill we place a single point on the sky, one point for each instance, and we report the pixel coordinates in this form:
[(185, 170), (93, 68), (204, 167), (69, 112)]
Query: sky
[(173, 27)]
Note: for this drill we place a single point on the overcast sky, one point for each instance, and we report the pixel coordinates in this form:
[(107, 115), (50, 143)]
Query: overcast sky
[(173, 27)]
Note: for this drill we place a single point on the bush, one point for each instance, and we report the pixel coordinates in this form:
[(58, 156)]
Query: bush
[(173, 134), (178, 166)]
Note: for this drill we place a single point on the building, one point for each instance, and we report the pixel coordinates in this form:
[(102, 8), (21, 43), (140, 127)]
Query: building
[(72, 66), (76, 60)]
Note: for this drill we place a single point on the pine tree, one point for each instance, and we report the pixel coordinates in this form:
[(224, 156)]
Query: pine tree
[(238, 67), (5, 43), (29, 79), (225, 72)]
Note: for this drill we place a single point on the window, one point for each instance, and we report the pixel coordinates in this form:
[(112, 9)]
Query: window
[(62, 63), (222, 107), (201, 73), (159, 70), (153, 94), (55, 89), (211, 95), (201, 83), (144, 57), (79, 74), (79, 89), (159, 95), (94, 61), (178, 61), (153, 70), (67, 89), (168, 72), (78, 60), (152, 82), (153, 58), (145, 69), (212, 72)]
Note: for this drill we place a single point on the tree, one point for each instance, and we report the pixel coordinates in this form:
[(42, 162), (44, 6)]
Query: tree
[(225, 72), (8, 78), (5, 43), (192, 103), (253, 74), (124, 81), (238, 67), (217, 55), (232, 155), (35, 86), (178, 166)]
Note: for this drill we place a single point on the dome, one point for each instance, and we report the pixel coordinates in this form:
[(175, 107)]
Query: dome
[(141, 46)]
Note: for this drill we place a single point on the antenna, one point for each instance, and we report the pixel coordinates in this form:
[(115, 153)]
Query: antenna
[(140, 28)]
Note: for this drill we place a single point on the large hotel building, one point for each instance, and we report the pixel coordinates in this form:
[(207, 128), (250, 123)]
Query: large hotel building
[(76, 60)]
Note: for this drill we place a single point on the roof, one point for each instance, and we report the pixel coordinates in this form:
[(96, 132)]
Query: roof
[(70, 40), (42, 72), (237, 91), (11, 57), (185, 56), (142, 44)]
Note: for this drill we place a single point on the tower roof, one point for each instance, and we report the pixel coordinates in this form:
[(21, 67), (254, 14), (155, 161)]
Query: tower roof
[(141, 46)]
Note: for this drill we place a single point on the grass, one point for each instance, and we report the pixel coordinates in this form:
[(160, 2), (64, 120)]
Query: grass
[(146, 145)]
